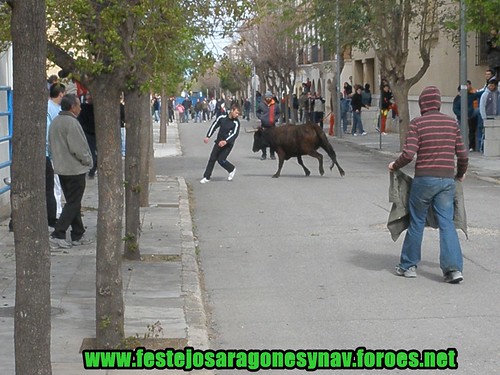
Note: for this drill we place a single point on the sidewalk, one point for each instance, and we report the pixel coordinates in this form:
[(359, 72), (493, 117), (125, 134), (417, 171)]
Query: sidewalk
[(164, 287), (480, 166)]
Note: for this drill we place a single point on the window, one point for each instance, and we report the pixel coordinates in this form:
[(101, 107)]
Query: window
[(481, 49)]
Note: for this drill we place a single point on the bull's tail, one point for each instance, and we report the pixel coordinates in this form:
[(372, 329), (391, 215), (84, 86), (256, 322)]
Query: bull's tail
[(327, 146)]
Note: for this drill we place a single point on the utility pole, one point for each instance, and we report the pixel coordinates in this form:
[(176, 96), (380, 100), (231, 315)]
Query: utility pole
[(338, 129), (463, 77)]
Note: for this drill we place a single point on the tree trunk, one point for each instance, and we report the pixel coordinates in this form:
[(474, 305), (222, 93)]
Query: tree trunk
[(133, 100), (146, 149), (32, 311), (163, 117), (109, 287), (400, 92)]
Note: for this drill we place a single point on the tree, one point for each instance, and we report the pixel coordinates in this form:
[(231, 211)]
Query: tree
[(391, 28), (32, 311), (482, 15), (234, 75), (268, 41)]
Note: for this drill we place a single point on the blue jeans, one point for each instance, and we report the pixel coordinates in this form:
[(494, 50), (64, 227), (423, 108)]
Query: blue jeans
[(440, 193), (357, 125)]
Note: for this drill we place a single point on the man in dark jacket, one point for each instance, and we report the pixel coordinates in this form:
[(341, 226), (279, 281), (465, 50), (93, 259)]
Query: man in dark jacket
[(229, 128), (268, 113), (435, 139)]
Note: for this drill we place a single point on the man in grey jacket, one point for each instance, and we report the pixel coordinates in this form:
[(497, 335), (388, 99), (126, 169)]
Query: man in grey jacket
[(72, 160)]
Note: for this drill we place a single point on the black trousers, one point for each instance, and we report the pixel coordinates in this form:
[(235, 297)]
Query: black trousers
[(73, 188), (93, 150), (219, 154), (50, 199), (265, 145)]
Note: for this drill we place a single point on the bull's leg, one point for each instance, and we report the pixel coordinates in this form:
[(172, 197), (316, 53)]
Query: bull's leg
[(317, 155), (307, 171), (281, 159)]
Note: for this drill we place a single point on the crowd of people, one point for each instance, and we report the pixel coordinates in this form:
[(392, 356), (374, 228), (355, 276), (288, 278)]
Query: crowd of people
[(197, 109), (71, 156), (481, 103)]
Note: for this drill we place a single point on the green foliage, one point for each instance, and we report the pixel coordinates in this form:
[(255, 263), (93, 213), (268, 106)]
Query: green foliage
[(234, 75), (483, 15), (5, 38), (158, 43)]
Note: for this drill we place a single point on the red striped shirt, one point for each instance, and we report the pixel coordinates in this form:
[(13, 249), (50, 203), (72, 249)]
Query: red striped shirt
[(435, 138)]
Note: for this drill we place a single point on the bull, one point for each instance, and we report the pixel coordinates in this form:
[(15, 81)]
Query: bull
[(294, 141)]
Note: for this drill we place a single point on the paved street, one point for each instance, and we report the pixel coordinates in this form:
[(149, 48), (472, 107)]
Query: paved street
[(289, 263), (302, 263)]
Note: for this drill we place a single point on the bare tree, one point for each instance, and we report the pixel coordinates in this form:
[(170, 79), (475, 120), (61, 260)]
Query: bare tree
[(266, 41), (393, 28), (32, 312)]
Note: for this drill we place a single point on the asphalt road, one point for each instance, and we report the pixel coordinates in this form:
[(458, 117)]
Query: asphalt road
[(307, 263)]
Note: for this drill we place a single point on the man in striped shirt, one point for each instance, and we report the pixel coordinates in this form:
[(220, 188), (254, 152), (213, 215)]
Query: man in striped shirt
[(435, 139)]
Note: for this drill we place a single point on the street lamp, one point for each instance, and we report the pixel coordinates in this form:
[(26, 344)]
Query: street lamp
[(463, 77)]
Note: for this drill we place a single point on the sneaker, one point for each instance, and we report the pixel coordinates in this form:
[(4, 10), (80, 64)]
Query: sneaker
[(364, 133), (82, 241), (59, 243), (410, 272), (384, 133), (263, 157), (273, 157), (355, 134), (204, 180), (231, 175), (453, 277)]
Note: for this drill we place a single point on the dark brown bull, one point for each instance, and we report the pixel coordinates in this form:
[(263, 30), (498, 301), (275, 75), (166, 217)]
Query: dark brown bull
[(294, 141)]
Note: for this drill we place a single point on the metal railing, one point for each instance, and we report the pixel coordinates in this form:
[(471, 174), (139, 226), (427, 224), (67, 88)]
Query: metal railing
[(8, 137)]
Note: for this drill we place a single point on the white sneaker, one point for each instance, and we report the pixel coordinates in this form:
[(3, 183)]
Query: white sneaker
[(204, 181), (364, 133), (231, 175)]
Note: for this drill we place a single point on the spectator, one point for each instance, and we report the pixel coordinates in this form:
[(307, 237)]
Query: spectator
[(366, 95), (319, 109), (302, 107), (170, 109), (52, 186), (295, 109), (156, 109), (385, 107), (268, 114), (72, 160), (186, 103), (344, 110), (489, 105), (198, 110), (246, 109), (356, 104), (87, 121), (204, 108), (457, 106)]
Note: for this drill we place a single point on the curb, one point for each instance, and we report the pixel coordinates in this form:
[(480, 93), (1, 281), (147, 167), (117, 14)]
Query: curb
[(194, 308)]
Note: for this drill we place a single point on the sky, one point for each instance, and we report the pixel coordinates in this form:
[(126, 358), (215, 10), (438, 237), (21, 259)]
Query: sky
[(216, 44)]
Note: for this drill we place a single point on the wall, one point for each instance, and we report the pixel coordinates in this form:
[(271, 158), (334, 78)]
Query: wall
[(5, 80)]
